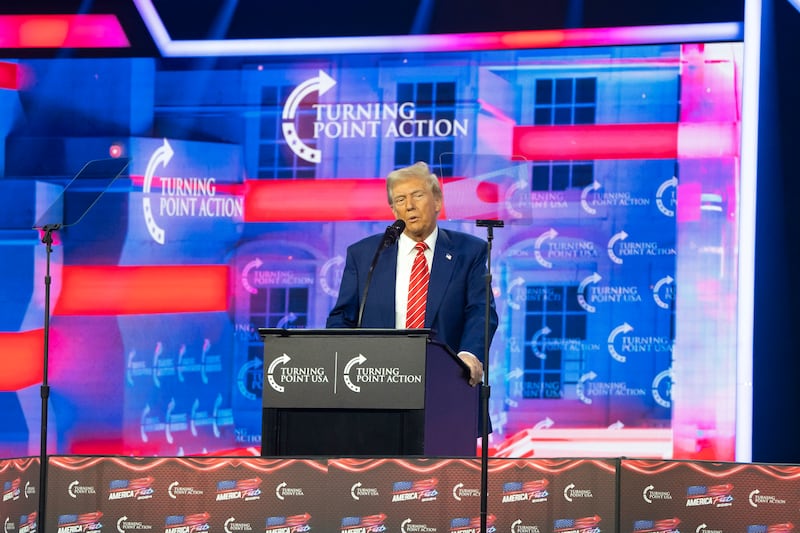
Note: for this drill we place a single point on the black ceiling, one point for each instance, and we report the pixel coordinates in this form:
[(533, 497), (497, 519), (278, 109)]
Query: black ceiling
[(249, 19)]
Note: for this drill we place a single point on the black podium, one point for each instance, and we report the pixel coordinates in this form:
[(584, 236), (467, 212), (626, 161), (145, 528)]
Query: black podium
[(355, 392)]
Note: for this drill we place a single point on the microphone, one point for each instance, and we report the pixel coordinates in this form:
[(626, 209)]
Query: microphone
[(390, 236)]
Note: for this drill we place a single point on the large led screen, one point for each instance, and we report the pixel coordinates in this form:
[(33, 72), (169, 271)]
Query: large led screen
[(614, 167)]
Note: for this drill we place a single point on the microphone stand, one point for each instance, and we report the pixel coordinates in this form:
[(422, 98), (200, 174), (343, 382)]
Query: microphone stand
[(389, 238), (366, 286), (47, 239), (485, 390)]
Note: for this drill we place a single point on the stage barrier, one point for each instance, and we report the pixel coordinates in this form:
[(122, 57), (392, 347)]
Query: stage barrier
[(409, 495)]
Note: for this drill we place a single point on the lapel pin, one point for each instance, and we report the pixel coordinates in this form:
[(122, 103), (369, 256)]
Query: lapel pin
[(449, 257)]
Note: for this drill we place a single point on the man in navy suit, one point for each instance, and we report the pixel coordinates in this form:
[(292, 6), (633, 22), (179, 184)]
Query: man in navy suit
[(456, 301)]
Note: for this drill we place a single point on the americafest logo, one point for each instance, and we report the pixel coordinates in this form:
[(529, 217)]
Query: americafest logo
[(367, 120), (424, 490), (714, 495), (11, 490), (242, 489), (124, 489)]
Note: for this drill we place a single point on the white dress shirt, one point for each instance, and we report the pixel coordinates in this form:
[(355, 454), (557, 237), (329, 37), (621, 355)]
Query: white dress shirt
[(406, 252)]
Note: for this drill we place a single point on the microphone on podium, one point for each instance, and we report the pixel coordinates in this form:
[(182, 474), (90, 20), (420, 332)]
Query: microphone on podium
[(390, 236)]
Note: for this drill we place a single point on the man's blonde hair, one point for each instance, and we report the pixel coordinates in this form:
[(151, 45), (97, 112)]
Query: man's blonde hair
[(419, 169)]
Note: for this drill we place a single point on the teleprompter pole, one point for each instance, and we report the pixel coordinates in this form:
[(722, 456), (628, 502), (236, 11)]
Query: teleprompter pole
[(485, 390)]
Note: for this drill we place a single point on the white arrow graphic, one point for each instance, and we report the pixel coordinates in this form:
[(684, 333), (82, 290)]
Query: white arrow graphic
[(167, 417), (206, 349), (515, 373), (354, 361), (579, 390), (288, 319), (181, 353), (594, 278), (657, 287), (584, 193), (353, 490), (672, 182), (544, 424), (549, 234), (161, 156), (192, 425), (142, 431), (129, 372), (254, 264), (519, 186), (214, 425), (158, 351), (535, 341), (322, 83), (282, 360), (612, 241), (624, 328), (512, 286), (661, 376)]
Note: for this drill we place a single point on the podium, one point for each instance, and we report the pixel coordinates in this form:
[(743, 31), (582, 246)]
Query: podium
[(357, 392)]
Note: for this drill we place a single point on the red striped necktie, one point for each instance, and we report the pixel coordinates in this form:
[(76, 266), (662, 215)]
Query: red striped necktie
[(418, 289)]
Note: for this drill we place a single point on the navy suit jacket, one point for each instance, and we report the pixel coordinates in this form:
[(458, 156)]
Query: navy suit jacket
[(456, 308)]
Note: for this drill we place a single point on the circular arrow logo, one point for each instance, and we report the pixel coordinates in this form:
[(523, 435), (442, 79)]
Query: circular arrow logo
[(319, 84), (161, 156), (347, 381), (662, 380), (282, 360), (624, 328), (595, 186), (579, 387), (255, 264), (665, 281), (671, 183), (535, 342), (329, 275), (455, 491), (246, 376), (621, 236), (537, 253), (594, 278)]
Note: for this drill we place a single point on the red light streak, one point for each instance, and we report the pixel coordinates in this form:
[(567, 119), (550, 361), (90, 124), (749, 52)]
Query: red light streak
[(61, 31), (21, 358), (131, 290)]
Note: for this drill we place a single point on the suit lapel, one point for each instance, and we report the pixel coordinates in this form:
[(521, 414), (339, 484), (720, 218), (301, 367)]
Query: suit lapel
[(382, 287), (441, 273)]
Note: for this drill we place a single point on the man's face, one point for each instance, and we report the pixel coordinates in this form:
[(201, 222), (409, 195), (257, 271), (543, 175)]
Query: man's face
[(413, 203)]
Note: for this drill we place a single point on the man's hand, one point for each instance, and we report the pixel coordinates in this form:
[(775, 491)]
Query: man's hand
[(475, 367)]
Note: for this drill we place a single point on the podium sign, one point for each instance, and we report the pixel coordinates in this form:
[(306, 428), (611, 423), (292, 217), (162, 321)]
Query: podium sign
[(328, 369), (352, 392)]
